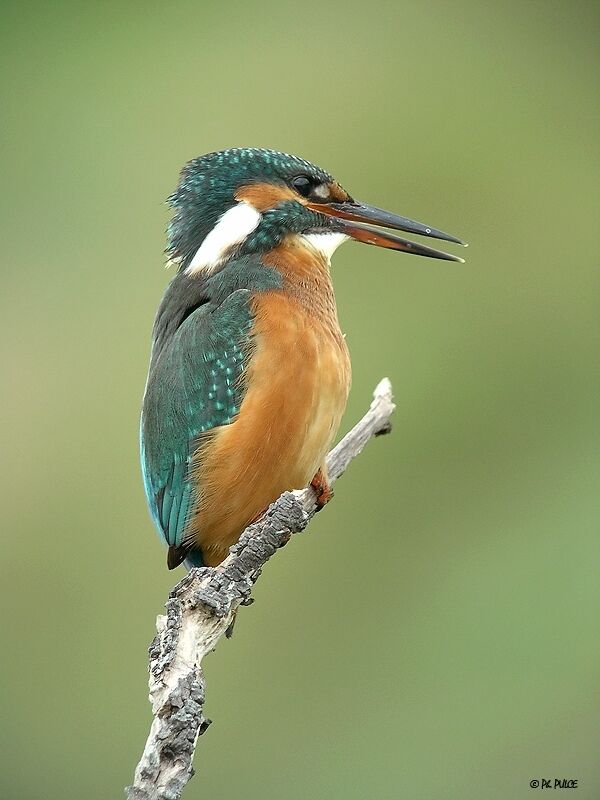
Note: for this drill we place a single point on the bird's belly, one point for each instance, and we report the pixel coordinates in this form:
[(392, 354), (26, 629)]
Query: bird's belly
[(296, 390)]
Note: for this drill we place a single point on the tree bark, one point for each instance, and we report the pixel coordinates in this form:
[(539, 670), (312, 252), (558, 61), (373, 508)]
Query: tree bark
[(201, 608)]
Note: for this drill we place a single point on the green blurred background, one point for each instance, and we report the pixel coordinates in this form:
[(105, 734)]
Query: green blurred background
[(435, 634)]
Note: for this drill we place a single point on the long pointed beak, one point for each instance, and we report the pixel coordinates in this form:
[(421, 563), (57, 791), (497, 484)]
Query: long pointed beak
[(350, 218)]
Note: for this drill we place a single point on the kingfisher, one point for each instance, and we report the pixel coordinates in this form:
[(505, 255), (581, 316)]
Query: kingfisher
[(249, 370)]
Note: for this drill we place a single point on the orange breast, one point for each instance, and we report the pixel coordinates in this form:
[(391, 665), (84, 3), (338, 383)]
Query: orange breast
[(297, 386)]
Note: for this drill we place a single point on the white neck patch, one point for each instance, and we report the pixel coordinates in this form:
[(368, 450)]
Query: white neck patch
[(232, 229), (325, 243)]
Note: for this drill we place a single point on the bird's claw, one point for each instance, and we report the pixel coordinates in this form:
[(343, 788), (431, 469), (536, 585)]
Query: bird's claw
[(322, 489)]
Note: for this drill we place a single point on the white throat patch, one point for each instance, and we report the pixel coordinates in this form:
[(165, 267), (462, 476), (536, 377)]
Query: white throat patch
[(325, 243), (232, 229)]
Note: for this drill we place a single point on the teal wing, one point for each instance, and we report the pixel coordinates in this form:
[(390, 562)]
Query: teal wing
[(200, 350)]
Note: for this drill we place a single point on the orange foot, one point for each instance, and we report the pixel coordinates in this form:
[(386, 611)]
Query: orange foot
[(322, 488)]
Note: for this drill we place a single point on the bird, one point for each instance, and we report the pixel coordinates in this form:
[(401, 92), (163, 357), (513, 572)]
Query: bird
[(249, 369)]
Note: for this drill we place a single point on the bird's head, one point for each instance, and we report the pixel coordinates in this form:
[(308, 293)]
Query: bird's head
[(247, 200)]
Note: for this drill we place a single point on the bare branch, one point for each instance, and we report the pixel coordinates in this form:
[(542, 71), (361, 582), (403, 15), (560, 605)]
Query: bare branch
[(201, 608)]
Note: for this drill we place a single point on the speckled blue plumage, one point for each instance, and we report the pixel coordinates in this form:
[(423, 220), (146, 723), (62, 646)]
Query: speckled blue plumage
[(202, 343)]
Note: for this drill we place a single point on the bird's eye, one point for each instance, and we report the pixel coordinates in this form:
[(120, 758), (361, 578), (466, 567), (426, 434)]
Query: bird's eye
[(302, 185)]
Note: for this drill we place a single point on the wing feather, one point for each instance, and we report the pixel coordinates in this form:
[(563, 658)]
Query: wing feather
[(193, 387)]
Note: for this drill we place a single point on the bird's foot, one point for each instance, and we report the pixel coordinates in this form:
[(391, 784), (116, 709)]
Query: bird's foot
[(322, 488)]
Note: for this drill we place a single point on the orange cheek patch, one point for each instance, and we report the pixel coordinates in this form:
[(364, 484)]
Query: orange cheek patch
[(264, 196), (337, 194)]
